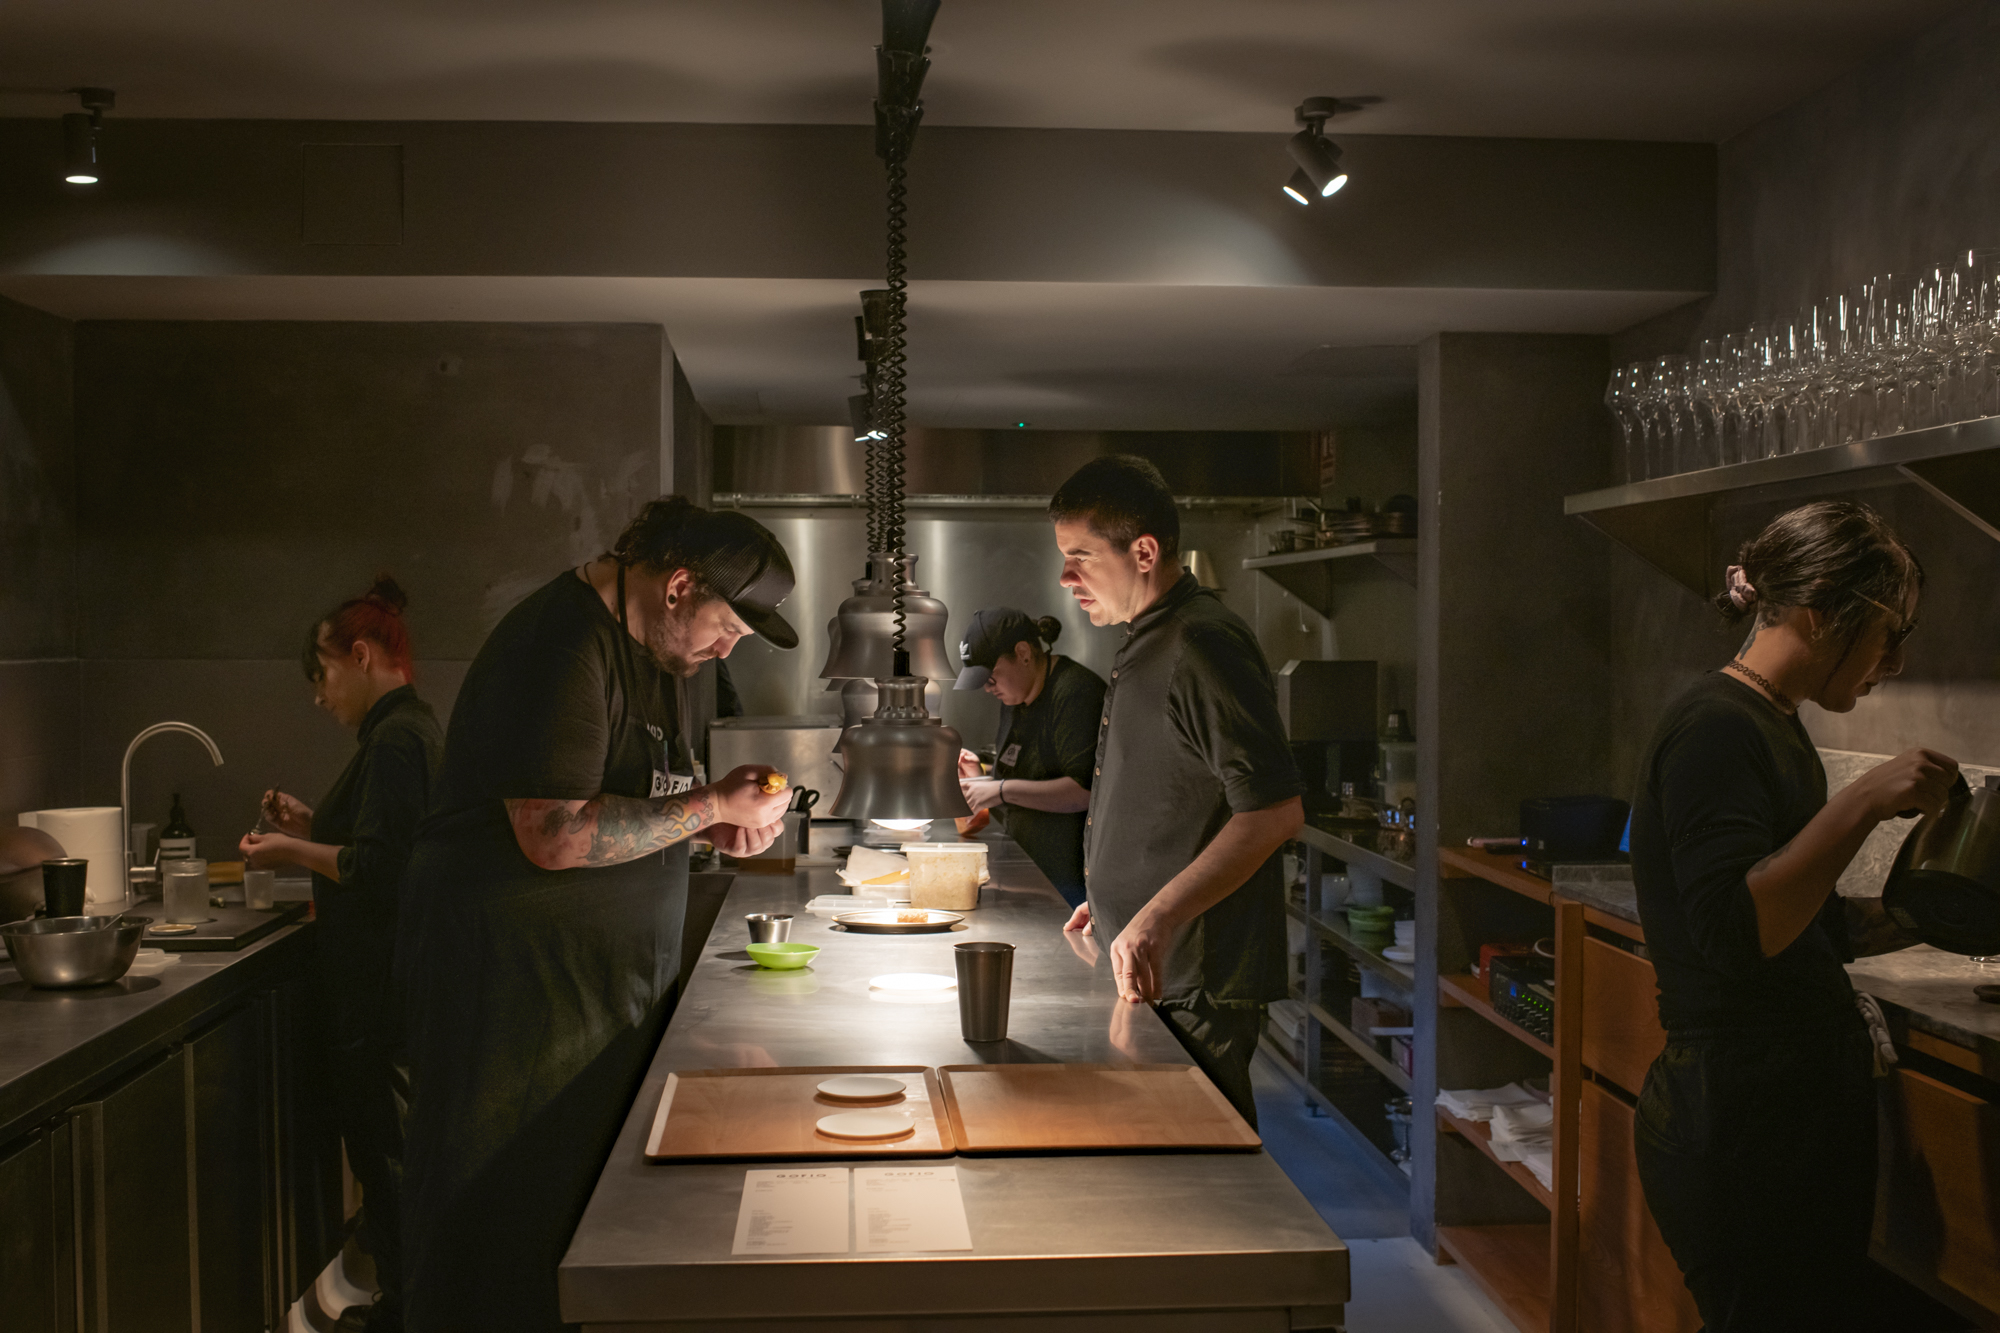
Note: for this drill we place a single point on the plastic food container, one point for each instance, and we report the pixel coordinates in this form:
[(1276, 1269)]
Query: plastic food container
[(945, 874)]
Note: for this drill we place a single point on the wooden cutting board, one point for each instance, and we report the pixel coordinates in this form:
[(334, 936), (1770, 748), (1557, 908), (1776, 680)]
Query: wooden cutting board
[(765, 1113), (1090, 1108)]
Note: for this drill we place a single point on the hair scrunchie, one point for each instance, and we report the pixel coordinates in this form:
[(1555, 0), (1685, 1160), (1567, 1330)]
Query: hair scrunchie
[(1741, 593)]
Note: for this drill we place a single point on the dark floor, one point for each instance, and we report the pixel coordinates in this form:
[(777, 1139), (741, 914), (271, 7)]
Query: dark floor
[(1325, 1162)]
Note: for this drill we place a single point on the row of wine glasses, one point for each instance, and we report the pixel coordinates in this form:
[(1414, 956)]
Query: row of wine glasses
[(1893, 353)]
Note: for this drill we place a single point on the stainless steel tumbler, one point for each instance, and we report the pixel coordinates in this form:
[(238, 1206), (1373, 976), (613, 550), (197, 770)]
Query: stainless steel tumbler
[(769, 927), (985, 981)]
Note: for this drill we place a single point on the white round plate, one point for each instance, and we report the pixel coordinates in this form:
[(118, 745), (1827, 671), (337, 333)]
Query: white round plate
[(1396, 954), (862, 1088), (912, 981), (878, 1126)]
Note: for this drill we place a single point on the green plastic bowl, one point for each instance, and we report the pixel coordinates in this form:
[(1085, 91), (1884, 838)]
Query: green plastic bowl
[(783, 957)]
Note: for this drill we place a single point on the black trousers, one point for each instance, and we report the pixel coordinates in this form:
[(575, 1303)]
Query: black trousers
[(362, 1017), (1757, 1155), (1221, 1039)]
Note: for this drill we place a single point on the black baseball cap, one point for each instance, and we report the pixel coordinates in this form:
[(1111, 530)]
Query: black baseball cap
[(989, 634), (747, 567)]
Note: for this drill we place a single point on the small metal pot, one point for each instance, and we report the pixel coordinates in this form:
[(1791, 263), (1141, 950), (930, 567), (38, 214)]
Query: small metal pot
[(68, 952), (769, 927)]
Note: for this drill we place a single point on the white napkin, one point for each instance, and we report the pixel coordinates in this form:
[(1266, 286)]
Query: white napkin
[(1478, 1103)]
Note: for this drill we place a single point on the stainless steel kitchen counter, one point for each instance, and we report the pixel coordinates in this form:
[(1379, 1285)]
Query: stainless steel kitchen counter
[(1209, 1241), (55, 1044)]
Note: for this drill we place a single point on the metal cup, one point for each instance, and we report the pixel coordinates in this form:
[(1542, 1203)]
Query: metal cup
[(769, 927), (63, 881), (985, 982)]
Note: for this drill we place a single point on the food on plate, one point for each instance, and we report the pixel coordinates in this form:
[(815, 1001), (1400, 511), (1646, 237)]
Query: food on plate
[(913, 918), (775, 783)]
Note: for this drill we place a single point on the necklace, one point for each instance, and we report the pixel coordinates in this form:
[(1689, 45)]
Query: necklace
[(1778, 696)]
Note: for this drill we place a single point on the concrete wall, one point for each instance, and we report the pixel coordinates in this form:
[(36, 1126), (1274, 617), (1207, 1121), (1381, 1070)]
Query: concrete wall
[(237, 480), (1513, 692), (38, 619), (1890, 166)]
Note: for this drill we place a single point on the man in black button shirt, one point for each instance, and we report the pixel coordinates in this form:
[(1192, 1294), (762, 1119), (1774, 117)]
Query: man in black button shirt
[(1197, 791)]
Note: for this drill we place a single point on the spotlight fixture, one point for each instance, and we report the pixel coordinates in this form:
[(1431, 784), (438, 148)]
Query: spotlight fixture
[(1319, 174), (79, 131)]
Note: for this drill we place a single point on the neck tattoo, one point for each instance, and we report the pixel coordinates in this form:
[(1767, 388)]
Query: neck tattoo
[(1778, 696)]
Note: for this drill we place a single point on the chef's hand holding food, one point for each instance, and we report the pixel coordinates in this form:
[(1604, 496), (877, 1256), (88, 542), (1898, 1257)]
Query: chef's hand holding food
[(750, 804)]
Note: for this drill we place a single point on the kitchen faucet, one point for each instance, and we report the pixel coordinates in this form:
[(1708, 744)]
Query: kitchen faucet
[(125, 780)]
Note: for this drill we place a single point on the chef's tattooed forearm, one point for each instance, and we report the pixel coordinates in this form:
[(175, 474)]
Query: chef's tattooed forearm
[(606, 830)]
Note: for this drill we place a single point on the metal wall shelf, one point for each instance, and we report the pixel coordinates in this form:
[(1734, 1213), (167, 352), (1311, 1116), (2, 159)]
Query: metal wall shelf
[(1667, 522), (1400, 873), (1310, 575)]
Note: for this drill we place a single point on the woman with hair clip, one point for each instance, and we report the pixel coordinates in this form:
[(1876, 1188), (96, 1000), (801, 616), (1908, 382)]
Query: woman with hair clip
[(356, 843), (1046, 746), (1756, 1127)]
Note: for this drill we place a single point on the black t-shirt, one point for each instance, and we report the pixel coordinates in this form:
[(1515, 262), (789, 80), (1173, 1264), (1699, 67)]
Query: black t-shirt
[(1730, 779), (562, 703), (372, 810), (1053, 737), (1190, 735)]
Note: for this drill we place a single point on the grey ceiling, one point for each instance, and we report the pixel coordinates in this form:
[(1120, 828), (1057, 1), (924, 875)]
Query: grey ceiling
[(1088, 354), (1638, 69)]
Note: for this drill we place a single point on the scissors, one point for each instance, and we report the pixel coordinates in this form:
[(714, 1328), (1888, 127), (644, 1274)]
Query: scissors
[(803, 801)]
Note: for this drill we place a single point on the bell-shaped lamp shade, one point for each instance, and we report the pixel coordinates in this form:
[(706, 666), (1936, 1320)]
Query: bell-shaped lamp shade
[(859, 698), (902, 763), (79, 149), (863, 643), (1319, 158)]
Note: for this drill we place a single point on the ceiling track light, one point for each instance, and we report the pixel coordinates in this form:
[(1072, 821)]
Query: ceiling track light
[(79, 135), (1319, 174)]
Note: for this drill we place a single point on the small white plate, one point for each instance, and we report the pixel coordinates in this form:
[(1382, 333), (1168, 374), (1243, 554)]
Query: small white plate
[(1396, 954), (912, 981), (876, 1126), (862, 1088)]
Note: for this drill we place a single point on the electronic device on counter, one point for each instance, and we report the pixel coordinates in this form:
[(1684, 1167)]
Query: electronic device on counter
[(1522, 990)]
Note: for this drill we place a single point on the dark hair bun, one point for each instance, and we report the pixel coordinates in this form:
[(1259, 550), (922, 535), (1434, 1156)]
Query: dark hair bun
[(1049, 628), (388, 592)]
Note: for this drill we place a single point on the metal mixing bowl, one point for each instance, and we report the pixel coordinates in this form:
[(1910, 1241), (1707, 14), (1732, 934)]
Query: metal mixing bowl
[(66, 952)]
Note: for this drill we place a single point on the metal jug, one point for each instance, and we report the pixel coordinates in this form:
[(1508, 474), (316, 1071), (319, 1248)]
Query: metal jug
[(1945, 883)]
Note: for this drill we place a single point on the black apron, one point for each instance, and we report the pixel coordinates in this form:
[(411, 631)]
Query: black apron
[(543, 996)]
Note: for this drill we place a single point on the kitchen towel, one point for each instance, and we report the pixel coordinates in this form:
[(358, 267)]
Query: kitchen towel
[(94, 832)]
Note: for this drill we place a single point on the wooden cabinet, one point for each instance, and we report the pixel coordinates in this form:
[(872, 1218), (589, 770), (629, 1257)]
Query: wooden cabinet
[(130, 1165), (1622, 1035), (1627, 1280), (1937, 1210)]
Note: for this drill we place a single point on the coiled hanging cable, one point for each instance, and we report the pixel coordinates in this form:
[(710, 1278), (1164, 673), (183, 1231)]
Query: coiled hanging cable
[(889, 376)]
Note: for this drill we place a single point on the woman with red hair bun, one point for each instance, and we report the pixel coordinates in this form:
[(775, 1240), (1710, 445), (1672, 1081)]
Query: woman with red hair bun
[(357, 844)]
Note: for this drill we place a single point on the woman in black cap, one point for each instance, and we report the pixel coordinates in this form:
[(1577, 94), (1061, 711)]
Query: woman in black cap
[(541, 935), (1047, 742)]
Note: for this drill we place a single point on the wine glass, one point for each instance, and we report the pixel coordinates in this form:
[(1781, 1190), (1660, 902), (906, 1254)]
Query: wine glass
[(1712, 382), (1667, 404), (1623, 396)]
